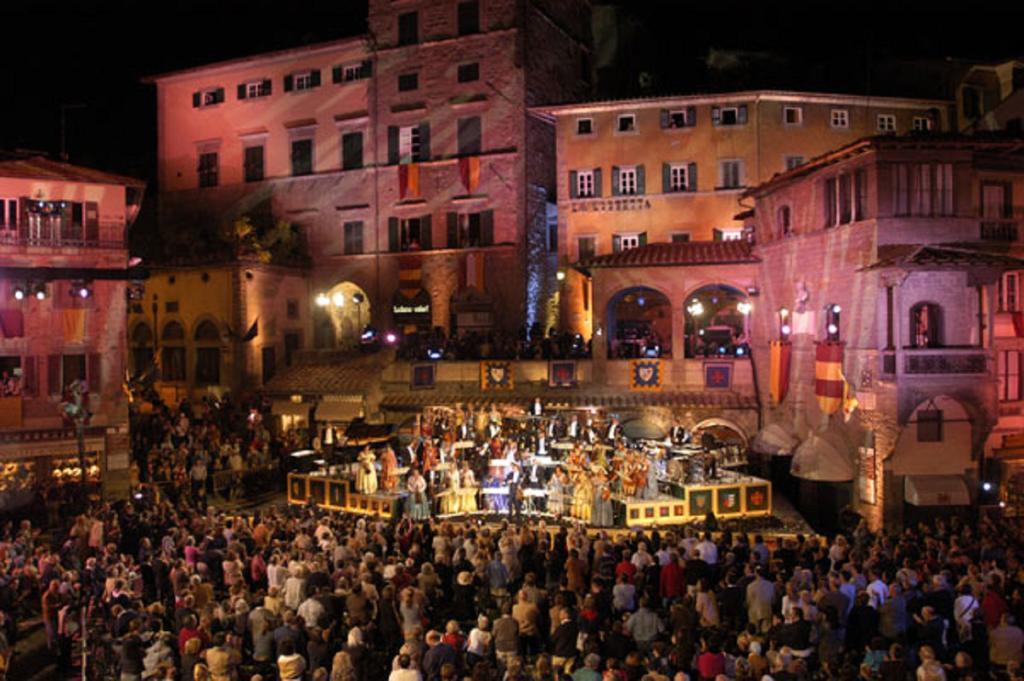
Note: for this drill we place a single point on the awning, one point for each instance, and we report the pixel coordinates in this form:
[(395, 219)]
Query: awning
[(775, 439), (340, 410), (824, 457), (288, 408), (936, 490)]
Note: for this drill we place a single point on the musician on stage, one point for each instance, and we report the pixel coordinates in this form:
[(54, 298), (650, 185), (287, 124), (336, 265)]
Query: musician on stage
[(534, 481), (417, 503), (496, 503), (680, 435), (467, 490), (614, 430), (537, 408), (493, 429), (589, 432), (464, 432), (411, 452), (574, 431), (602, 514), (513, 481), (366, 474), (557, 488), (389, 470), (430, 460)]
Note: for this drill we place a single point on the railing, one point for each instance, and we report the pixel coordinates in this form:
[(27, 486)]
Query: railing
[(53, 239), (945, 361), (999, 230)]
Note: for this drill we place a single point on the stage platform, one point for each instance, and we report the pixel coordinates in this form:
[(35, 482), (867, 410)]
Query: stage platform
[(732, 495)]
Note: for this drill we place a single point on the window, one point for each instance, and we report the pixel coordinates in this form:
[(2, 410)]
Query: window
[(785, 221), (680, 177), (292, 308), (352, 150), (254, 89), (627, 180), (1009, 292), (552, 232), (207, 366), (886, 123), (626, 123), (793, 161), (469, 17), (929, 425), (793, 115), (901, 189), (584, 184), (304, 80), (925, 325), (972, 102), (584, 126), (72, 369), (254, 163), (208, 169), (933, 189), (408, 28), (922, 123), (845, 198), (469, 72), (469, 136), (269, 363), (410, 234), (1009, 376), (586, 247), (680, 237), (860, 194), (409, 143), (471, 230), (302, 157), (346, 73), (353, 238), (208, 97), (624, 242), (729, 115), (292, 344), (172, 352), (408, 82), (685, 117), (840, 118), (730, 174), (728, 234), (997, 211), (8, 213)]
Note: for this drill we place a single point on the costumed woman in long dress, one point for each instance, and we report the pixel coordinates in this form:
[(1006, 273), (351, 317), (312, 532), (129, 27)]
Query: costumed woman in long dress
[(556, 493), (417, 502), (388, 469), (467, 489), (582, 498), (651, 488), (603, 512), (450, 497), (366, 474)]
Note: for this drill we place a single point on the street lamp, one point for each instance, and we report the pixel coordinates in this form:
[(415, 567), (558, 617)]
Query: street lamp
[(322, 300)]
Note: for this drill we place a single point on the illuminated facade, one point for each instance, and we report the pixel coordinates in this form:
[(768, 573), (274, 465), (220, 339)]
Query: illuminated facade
[(62, 317), (406, 158)]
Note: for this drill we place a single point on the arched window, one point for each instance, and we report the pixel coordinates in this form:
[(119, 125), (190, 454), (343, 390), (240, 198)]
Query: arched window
[(141, 348), (639, 323), (172, 352), (784, 221), (926, 325), (207, 338)]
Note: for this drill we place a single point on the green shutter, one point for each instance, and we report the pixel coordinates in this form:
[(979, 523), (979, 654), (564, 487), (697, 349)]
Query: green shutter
[(453, 230), (741, 115), (643, 238), (241, 90), (664, 118), (691, 115), (616, 243), (487, 228), (615, 180), (573, 187), (92, 221), (314, 78), (197, 99), (393, 245), (392, 144), (666, 178), (218, 96), (367, 68), (641, 184), (336, 74), (266, 87), (597, 182), (426, 232), (424, 142), (289, 83), (691, 177), (716, 115)]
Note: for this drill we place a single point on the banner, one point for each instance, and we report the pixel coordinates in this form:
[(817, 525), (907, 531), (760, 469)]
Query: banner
[(828, 376), (410, 275), (778, 382), (718, 376), (562, 373), (423, 376), (496, 376), (469, 171), (74, 325), (408, 180), (645, 374)]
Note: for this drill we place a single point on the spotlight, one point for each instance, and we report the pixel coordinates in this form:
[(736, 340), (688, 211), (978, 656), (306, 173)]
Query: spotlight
[(390, 338), (1002, 504), (786, 329), (744, 308), (987, 486), (560, 275), (833, 329), (358, 298), (322, 300), (81, 290), (641, 301), (434, 354), (740, 352), (784, 313), (19, 293), (40, 292), (836, 309)]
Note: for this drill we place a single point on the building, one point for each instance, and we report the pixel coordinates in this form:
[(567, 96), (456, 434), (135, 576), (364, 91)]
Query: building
[(883, 274), (672, 169), (406, 157), (63, 290)]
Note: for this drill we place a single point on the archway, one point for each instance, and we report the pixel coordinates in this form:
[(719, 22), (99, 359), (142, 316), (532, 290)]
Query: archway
[(172, 352), (717, 322), (723, 430), (208, 340), (346, 310), (639, 323), (141, 342)]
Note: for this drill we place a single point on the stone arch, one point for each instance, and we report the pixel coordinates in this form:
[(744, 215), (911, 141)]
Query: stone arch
[(346, 308), (720, 425), (639, 323), (716, 320), (936, 438)]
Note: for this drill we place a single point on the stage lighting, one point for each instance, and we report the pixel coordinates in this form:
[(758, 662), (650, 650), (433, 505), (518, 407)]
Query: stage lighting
[(40, 292), (19, 293)]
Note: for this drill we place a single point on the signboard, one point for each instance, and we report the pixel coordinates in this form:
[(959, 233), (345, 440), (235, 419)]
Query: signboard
[(398, 309), (610, 205), (867, 481)]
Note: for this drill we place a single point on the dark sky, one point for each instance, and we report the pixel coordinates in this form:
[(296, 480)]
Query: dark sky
[(94, 53)]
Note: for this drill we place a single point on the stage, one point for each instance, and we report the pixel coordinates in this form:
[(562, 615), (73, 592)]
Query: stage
[(730, 495)]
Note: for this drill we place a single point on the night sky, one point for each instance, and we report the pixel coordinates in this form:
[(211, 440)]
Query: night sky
[(94, 54)]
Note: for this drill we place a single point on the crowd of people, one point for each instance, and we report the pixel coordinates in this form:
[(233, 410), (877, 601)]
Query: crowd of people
[(474, 345), (174, 591)]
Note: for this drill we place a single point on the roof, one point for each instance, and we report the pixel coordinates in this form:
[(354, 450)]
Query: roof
[(355, 377), (920, 140), (38, 167), (524, 396), (688, 253), (940, 256), (695, 98)]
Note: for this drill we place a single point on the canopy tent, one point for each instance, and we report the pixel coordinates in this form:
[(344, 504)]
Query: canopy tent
[(936, 490), (775, 439), (824, 457)]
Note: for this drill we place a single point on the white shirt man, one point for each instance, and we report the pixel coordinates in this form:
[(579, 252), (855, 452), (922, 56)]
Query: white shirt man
[(708, 551), (878, 591)]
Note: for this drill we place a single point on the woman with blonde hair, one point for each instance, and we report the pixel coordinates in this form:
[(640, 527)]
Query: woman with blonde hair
[(342, 668)]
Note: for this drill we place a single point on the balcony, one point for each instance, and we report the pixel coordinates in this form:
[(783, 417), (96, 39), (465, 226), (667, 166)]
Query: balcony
[(945, 361), (998, 230), (47, 236)]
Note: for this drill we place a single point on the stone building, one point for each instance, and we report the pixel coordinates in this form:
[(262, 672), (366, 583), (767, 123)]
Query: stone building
[(406, 157), (896, 247), (62, 319)]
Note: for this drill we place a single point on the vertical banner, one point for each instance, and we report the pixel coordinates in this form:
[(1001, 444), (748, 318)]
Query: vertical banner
[(469, 171), (410, 275), (645, 374), (408, 180), (778, 384), (828, 376)]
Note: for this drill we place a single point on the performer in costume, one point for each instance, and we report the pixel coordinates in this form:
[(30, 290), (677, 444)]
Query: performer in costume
[(651, 484), (366, 473), (603, 512), (583, 497), (556, 492), (467, 490), (496, 503), (450, 498), (389, 469), (417, 503)]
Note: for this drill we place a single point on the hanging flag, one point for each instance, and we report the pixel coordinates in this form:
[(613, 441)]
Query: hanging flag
[(850, 402), (74, 325), (408, 180), (253, 331), (475, 271), (778, 384), (12, 323), (1018, 324), (828, 375), (409, 276), (469, 170)]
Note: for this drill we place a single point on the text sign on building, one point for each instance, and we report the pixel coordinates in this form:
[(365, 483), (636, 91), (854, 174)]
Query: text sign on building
[(610, 205), (410, 309)]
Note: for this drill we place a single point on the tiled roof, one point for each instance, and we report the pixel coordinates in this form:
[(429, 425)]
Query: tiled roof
[(42, 168), (413, 401), (940, 256), (332, 379), (678, 254)]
